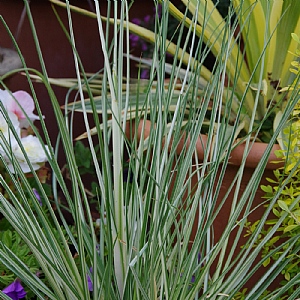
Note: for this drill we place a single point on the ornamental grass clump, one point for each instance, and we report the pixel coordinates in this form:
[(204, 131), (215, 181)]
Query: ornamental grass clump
[(142, 245)]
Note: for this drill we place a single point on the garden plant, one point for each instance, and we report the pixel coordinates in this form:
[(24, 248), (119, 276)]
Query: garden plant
[(249, 69), (140, 246), (283, 196)]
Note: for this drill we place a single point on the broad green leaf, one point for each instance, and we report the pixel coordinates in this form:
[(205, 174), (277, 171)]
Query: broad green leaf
[(287, 276), (283, 205), (253, 20), (7, 238), (290, 23), (267, 262), (290, 228), (267, 188)]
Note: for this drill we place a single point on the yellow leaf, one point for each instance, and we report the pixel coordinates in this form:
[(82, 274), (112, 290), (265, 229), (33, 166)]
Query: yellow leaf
[(291, 166), (283, 205), (266, 262), (295, 37), (287, 276)]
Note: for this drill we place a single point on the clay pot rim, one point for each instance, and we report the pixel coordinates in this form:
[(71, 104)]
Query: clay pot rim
[(257, 149)]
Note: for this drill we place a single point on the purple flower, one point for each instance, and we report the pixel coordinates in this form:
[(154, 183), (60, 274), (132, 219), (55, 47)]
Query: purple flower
[(90, 284), (147, 19), (136, 21), (145, 74), (144, 46), (15, 291), (134, 39), (38, 273), (199, 257), (37, 195)]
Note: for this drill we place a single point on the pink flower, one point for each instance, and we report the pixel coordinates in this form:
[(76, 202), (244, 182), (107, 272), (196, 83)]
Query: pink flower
[(14, 102), (4, 127), (19, 108)]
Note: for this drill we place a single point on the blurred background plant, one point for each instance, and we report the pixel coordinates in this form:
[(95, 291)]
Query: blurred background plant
[(148, 21)]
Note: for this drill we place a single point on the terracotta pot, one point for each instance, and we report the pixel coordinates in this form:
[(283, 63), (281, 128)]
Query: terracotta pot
[(253, 158), (236, 156)]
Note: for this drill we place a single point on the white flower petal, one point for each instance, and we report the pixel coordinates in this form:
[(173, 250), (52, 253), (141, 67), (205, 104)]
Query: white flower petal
[(35, 152)]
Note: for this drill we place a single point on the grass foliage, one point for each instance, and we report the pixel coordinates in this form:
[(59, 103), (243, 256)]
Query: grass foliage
[(141, 246)]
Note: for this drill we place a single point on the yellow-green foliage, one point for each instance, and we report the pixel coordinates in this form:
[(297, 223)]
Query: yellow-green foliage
[(287, 185), (295, 64)]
